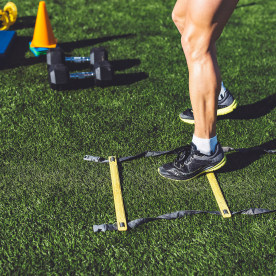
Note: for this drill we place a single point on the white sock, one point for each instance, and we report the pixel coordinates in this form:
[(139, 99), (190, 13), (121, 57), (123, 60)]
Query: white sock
[(205, 146), (222, 91)]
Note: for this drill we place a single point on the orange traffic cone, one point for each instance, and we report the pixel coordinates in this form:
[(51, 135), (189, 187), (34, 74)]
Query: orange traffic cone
[(43, 34)]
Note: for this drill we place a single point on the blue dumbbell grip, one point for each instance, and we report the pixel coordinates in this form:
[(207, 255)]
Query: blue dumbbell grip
[(77, 59), (82, 75)]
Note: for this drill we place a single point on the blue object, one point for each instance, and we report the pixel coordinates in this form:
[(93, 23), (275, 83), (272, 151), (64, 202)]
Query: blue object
[(38, 51), (6, 39)]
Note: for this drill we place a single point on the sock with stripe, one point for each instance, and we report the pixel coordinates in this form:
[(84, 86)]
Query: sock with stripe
[(205, 146)]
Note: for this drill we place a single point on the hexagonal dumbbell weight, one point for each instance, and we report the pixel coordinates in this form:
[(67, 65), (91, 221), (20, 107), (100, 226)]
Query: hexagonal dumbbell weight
[(59, 75), (57, 56)]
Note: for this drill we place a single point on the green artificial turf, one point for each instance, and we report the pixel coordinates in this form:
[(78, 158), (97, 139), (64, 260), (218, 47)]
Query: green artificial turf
[(50, 198)]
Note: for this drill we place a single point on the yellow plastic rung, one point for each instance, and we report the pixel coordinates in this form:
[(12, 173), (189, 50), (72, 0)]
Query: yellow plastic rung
[(117, 193), (224, 210)]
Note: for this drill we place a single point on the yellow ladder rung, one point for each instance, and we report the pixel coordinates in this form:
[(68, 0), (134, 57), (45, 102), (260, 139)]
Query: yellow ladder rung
[(117, 193), (224, 210)]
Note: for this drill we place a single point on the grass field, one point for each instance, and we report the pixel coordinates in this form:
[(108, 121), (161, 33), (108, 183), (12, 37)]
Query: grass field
[(50, 198)]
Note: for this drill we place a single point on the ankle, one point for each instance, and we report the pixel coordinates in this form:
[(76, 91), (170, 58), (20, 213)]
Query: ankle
[(205, 146)]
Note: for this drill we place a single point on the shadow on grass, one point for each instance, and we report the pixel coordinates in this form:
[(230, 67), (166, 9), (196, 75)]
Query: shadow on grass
[(23, 23), (245, 157), (70, 46), (247, 5), (252, 111)]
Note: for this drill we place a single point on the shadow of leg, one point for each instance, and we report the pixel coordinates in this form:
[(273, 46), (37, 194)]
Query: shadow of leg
[(252, 111), (244, 157)]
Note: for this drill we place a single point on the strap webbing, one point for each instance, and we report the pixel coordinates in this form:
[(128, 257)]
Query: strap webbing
[(179, 214), (98, 159), (226, 149)]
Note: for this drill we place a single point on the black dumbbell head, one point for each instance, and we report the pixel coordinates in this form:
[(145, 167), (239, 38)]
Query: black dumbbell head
[(103, 71), (98, 55), (58, 75), (55, 56)]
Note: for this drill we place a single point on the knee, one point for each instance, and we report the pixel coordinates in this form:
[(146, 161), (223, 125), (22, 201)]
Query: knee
[(178, 21), (175, 18)]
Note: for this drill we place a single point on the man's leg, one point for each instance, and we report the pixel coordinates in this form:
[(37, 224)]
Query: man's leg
[(203, 24), (226, 101)]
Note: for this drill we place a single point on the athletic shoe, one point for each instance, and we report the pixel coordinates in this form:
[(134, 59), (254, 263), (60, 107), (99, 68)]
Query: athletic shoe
[(190, 163), (226, 105)]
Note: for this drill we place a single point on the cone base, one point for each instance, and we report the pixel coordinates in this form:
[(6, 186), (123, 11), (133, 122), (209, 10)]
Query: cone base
[(38, 45), (38, 51)]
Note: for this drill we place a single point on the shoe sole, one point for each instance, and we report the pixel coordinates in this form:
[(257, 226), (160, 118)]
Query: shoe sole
[(207, 170), (220, 112), (228, 109)]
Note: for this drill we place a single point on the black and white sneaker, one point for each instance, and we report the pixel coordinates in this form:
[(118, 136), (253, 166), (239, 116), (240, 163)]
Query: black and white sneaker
[(226, 104), (190, 163)]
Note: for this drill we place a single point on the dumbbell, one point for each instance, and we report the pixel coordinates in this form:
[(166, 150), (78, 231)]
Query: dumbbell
[(59, 75), (57, 56), (8, 16)]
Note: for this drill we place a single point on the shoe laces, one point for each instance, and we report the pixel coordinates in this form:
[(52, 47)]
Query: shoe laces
[(183, 156), (222, 97)]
